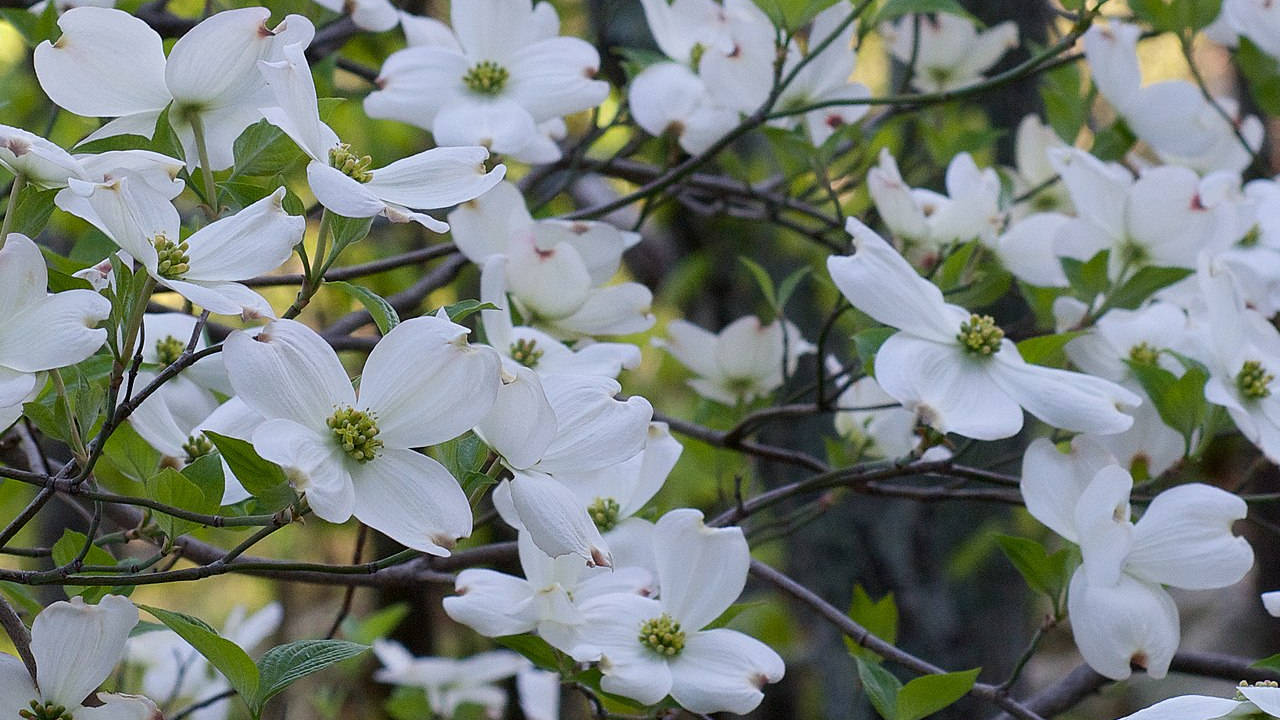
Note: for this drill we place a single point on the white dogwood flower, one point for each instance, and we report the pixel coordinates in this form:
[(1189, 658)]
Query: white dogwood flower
[(109, 63), (1259, 701), (499, 75), (955, 369), (346, 183), (423, 384), (950, 52), (76, 645), (743, 362), (450, 683), (40, 331), (826, 77)]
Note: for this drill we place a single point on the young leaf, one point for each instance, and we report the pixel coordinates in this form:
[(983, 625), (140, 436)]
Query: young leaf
[(68, 548), (1263, 74), (260, 477), (762, 279), (879, 617), (1179, 400), (881, 688), (263, 149), (928, 694), (347, 231), (868, 343), (206, 474), (463, 309), (1046, 574), (284, 665), (132, 456), (226, 656), (534, 648), (173, 489), (384, 316), (1047, 350), (1143, 285)]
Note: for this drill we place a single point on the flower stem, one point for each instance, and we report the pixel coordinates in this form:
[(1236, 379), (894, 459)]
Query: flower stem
[(206, 172), (19, 181)]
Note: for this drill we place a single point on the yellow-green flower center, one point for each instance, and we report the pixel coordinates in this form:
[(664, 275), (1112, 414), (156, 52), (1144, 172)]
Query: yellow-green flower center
[(980, 336), (1253, 380), (486, 78), (196, 447), (695, 55), (1144, 354), (526, 353), (350, 164), (47, 711), (356, 432), (171, 257), (1261, 683), (604, 513), (169, 349), (662, 635)]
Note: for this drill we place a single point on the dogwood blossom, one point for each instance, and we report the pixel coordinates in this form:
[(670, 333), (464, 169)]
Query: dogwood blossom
[(449, 683), (949, 52), (109, 63), (493, 81), (669, 99), (422, 385), (1260, 700), (826, 77), (40, 331), (344, 182), (75, 645), (744, 361), (868, 413), (648, 649), (371, 15), (954, 369)]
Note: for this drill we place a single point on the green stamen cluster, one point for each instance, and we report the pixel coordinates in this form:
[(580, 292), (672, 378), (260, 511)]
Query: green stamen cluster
[(604, 513), (486, 78), (980, 336), (1133, 253), (196, 447), (356, 432), (695, 54), (169, 349), (350, 164), (172, 257), (47, 711), (662, 635), (526, 353), (1253, 379), (1143, 354), (1261, 683)]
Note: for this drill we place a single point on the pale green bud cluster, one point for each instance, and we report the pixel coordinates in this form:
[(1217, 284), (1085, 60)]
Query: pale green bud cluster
[(980, 336), (47, 711), (1253, 379), (1261, 683), (1143, 354), (172, 259), (662, 635), (486, 78), (169, 349), (357, 433), (196, 447), (350, 164), (604, 513), (526, 353)]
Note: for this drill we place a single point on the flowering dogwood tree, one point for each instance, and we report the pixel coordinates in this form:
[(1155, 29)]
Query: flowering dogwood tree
[(617, 339)]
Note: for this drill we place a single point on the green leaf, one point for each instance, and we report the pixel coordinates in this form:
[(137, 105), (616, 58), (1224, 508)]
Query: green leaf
[(21, 596), (881, 688), (730, 613), (1113, 142), (898, 8), (263, 149), (263, 479), (928, 694), (66, 550), (173, 489), (34, 209), (226, 656), (1087, 279), (762, 279), (130, 455), (206, 474), (462, 456), (1272, 663), (241, 194), (1045, 573), (1156, 13), (788, 286), (1262, 73), (1143, 285), (165, 141), (879, 617), (34, 28), (376, 626), (1179, 400), (1065, 106), (1047, 350), (868, 343), (534, 648), (463, 309), (281, 666), (346, 231), (384, 316)]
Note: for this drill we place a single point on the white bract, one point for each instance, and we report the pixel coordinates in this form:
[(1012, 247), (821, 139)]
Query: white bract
[(1119, 610), (345, 182), (495, 80), (40, 331), (869, 414), (422, 385), (450, 683), (1258, 701), (205, 266), (76, 646), (669, 99), (743, 362), (956, 370), (371, 15), (949, 51), (826, 77), (109, 63), (555, 270), (1173, 116), (648, 649)]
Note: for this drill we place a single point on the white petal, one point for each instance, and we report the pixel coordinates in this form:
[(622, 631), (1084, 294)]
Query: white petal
[(493, 30), (23, 277), (1102, 523), (491, 603), (435, 178), (342, 194), (120, 707), (620, 309), (1098, 190), (723, 670), (426, 384), (106, 64), (40, 162), (55, 332), (17, 689), (411, 499), (1068, 400), (539, 694), (1266, 698), (556, 520), (76, 645), (415, 83), (288, 371), (298, 114), (701, 570), (521, 425), (1271, 601), (133, 214), (1184, 539), (314, 464), (593, 430), (1188, 707), (879, 282), (1053, 481), (555, 77), (1129, 621), (630, 669), (486, 225), (216, 63), (1026, 249), (223, 298), (254, 241), (600, 245), (498, 123)]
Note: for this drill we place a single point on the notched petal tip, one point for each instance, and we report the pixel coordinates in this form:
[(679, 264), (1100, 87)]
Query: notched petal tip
[(600, 558)]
